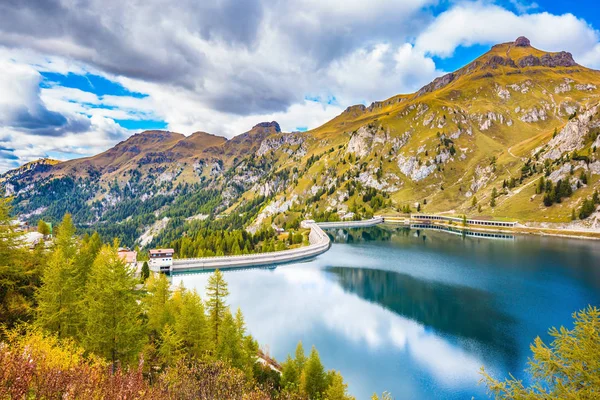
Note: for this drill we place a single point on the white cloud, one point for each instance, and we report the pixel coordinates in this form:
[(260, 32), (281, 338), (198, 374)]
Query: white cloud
[(481, 23), (35, 122), (224, 67)]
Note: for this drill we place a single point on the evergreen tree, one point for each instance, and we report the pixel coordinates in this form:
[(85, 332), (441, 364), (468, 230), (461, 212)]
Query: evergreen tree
[(113, 327), (314, 378), (249, 345), (587, 208), (474, 201), (88, 251), (217, 292), (145, 274), (494, 195), (541, 186), (43, 228)]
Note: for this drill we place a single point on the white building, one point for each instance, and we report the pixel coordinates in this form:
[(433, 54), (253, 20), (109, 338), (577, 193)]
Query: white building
[(161, 260)]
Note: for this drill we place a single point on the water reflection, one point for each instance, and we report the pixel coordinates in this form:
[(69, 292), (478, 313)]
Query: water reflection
[(463, 312), (417, 313)]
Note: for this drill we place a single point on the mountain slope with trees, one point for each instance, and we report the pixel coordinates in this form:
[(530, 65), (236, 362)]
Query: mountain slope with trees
[(514, 134)]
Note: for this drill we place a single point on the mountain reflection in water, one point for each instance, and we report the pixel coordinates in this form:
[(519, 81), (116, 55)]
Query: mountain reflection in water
[(452, 310)]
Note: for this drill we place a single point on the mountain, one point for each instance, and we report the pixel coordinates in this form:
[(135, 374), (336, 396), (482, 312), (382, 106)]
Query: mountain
[(499, 124)]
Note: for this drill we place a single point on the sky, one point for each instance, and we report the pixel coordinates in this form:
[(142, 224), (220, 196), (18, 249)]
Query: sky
[(78, 76)]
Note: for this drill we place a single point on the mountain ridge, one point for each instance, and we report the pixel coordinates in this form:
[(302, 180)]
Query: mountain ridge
[(460, 136)]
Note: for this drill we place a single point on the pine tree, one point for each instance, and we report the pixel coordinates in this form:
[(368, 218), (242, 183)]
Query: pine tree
[(300, 356), (474, 201), (43, 228), (216, 292), (88, 251), (145, 274), (113, 327), (314, 383), (541, 186)]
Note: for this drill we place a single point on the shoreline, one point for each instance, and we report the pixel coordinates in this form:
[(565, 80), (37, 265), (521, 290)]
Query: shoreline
[(519, 228)]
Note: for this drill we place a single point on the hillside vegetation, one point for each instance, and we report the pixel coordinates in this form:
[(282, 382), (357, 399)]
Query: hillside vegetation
[(512, 135)]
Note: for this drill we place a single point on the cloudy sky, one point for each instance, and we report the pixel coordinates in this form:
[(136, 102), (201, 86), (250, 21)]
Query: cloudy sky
[(77, 76)]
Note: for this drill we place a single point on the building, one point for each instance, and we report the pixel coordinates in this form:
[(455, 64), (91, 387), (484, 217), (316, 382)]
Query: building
[(161, 260), (129, 257)]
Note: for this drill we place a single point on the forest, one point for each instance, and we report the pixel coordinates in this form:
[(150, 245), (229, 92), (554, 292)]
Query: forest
[(78, 323)]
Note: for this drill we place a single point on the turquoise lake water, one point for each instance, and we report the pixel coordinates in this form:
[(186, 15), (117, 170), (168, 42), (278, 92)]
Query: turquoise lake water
[(417, 312)]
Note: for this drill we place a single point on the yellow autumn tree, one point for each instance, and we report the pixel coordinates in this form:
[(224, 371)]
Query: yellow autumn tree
[(569, 368)]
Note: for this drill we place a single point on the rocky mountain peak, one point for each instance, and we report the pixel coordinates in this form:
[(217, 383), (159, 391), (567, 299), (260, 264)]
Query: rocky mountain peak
[(273, 125), (522, 41)]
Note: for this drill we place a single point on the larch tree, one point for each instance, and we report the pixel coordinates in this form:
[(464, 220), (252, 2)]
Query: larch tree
[(337, 390), (567, 369), (65, 238), (230, 347), (17, 279), (190, 323), (300, 357), (217, 308), (170, 350), (249, 345), (157, 304), (113, 329), (314, 378), (59, 298), (10, 239), (290, 375)]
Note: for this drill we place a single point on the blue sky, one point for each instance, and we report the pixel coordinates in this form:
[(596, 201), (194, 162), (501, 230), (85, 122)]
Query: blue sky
[(75, 83)]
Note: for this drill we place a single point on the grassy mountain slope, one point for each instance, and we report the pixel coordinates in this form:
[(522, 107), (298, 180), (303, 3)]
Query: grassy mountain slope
[(512, 116)]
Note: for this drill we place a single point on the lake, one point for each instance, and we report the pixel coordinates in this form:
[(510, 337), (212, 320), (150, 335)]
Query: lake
[(417, 312)]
